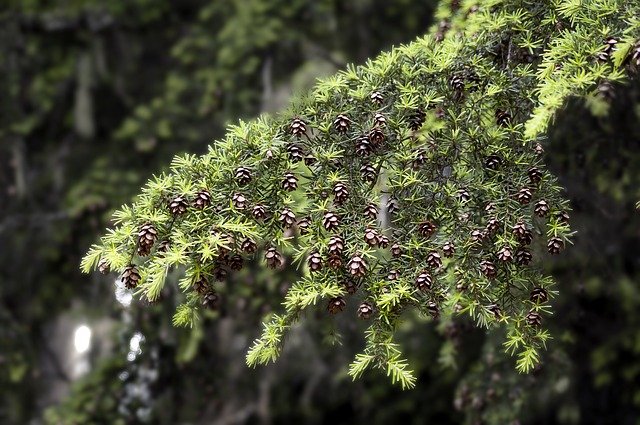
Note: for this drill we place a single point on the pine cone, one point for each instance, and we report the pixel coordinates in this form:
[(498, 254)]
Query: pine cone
[(606, 91), (340, 193), (379, 120), (463, 196), (248, 246), (147, 236), (235, 262), (363, 147), (503, 118), (334, 261), (336, 245), (357, 266), (383, 241), (130, 277), (433, 309), (287, 218), (416, 120), (371, 237), (427, 228), (477, 235), (303, 225), (505, 255), (433, 260), (538, 149), (350, 286), (541, 208), (104, 267), (534, 319), (164, 246), (201, 285), (273, 257), (371, 212), (298, 127), (202, 199), (239, 201), (448, 249), (524, 196), (259, 212), (539, 295), (330, 221), (610, 46), (396, 250), (243, 175), (377, 97), (290, 182), (219, 273), (562, 217), (443, 27), (488, 269), (496, 310), (309, 160), (521, 233), (211, 300), (492, 226), (336, 305), (376, 136), (369, 174), (555, 245), (523, 256), (635, 54), (419, 159), (315, 262), (341, 124), (457, 83), (178, 205), (392, 206), (365, 311), (296, 153), (424, 281), (492, 162), (535, 175)]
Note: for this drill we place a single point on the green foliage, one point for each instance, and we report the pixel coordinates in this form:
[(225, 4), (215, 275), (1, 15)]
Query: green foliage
[(453, 148)]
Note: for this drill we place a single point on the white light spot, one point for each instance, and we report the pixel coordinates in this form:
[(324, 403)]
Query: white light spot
[(123, 295), (82, 339), (135, 346)]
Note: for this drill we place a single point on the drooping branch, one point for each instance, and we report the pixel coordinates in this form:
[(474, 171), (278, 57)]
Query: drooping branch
[(449, 129)]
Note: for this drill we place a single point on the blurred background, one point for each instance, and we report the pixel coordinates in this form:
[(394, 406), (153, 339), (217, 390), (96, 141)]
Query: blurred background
[(96, 96)]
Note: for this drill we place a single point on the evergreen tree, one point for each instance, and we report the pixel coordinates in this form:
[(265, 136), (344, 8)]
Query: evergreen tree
[(416, 179)]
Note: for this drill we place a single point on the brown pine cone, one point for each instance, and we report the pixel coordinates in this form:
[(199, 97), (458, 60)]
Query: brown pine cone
[(330, 221), (130, 277), (365, 311), (273, 257), (298, 127), (287, 218), (202, 199), (315, 262), (424, 281), (336, 305), (341, 124), (178, 205), (357, 266), (434, 260), (488, 269), (427, 228)]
